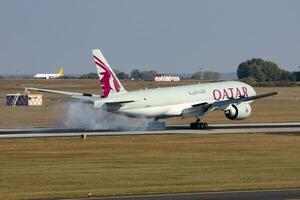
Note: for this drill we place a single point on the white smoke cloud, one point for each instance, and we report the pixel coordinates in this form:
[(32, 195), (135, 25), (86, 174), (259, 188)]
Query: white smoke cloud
[(89, 118)]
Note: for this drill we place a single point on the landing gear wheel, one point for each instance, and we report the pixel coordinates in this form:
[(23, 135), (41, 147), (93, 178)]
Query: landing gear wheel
[(198, 125)]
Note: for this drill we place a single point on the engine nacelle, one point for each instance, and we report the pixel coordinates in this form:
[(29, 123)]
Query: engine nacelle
[(238, 111)]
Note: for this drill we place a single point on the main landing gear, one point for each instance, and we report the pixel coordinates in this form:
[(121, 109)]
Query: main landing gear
[(198, 125)]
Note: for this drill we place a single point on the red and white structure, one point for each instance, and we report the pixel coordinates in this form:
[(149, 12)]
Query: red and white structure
[(167, 78)]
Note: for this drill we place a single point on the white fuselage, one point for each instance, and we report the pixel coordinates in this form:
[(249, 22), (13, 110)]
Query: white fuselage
[(47, 76), (171, 101)]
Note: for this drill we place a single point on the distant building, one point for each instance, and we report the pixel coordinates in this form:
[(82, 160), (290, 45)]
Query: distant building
[(166, 78)]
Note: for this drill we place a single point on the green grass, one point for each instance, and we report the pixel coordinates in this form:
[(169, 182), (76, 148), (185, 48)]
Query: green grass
[(120, 165)]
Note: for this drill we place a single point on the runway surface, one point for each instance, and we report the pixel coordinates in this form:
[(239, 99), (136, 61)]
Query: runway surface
[(293, 127), (230, 195)]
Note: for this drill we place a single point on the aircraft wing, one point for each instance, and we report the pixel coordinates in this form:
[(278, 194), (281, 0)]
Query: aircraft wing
[(82, 96), (204, 107)]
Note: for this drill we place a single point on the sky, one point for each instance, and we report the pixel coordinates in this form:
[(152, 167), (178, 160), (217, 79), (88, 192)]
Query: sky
[(169, 36)]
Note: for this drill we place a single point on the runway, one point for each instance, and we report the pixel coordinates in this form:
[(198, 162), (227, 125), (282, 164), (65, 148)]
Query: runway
[(293, 127), (279, 194)]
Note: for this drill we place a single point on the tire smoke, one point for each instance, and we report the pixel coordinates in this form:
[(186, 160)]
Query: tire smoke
[(89, 118)]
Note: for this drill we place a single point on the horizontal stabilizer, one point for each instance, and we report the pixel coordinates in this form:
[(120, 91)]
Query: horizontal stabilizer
[(76, 95), (77, 101)]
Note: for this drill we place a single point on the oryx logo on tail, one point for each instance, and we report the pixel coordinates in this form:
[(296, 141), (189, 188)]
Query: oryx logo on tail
[(108, 79)]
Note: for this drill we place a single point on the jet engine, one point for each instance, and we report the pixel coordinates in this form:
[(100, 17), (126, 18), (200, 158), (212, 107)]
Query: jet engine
[(238, 111)]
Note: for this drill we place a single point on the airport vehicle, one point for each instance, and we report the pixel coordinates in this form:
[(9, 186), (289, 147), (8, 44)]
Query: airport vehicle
[(233, 97), (50, 76)]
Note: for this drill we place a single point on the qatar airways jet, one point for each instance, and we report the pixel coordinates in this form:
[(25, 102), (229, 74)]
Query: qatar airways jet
[(196, 100)]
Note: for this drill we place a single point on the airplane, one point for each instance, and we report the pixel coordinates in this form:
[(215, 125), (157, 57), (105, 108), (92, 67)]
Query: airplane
[(50, 76), (196, 100)]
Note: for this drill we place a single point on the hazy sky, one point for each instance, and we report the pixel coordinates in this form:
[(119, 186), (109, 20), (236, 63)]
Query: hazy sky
[(166, 35)]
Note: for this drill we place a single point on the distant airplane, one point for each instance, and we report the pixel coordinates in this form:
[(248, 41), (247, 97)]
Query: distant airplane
[(233, 97), (50, 76)]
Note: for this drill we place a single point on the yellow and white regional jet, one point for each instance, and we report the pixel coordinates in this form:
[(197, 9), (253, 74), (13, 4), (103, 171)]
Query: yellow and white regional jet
[(50, 76)]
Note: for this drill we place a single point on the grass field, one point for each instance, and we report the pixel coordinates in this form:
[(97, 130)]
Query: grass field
[(120, 165), (281, 108)]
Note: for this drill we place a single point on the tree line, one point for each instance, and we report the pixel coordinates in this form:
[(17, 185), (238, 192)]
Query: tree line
[(149, 75), (134, 75), (253, 71), (259, 70)]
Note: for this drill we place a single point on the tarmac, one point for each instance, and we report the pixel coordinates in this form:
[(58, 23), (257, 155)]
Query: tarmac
[(292, 127), (277, 194)]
